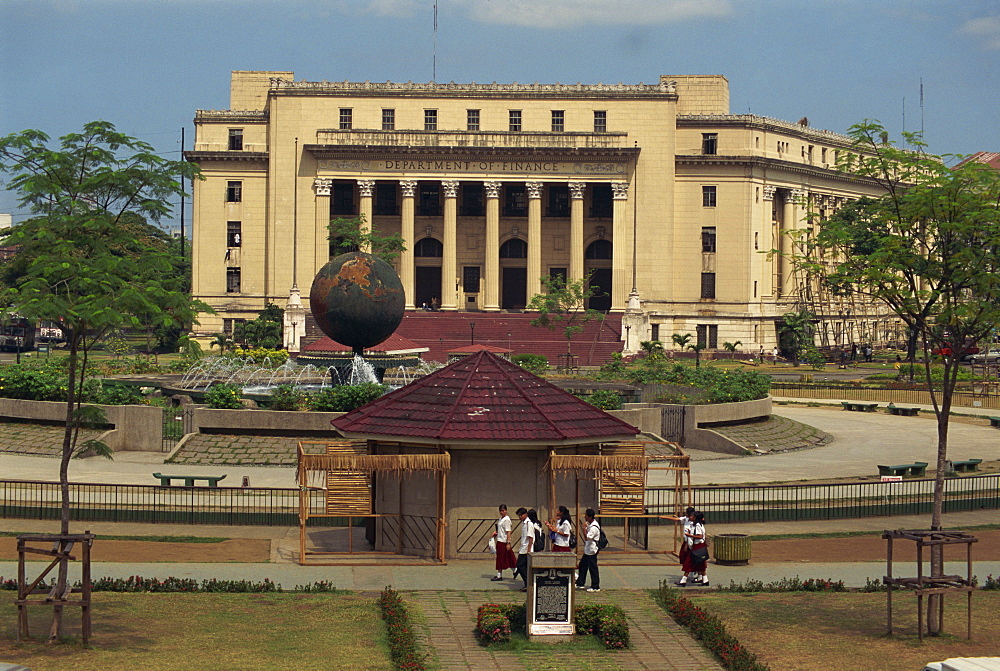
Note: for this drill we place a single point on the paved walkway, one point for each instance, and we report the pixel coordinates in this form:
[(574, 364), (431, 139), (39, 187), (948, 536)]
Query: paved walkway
[(658, 643)]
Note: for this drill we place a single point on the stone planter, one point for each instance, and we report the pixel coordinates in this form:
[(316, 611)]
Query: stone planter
[(731, 549)]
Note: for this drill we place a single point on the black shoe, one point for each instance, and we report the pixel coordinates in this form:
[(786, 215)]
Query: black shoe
[(514, 576), (495, 578), (524, 589)]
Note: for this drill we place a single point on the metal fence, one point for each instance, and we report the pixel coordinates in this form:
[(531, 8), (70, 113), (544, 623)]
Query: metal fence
[(239, 506), (966, 399)]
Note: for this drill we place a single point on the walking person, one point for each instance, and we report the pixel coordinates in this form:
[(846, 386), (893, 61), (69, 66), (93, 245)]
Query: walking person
[(588, 562), (526, 547), (505, 556), (696, 563), (561, 531), (688, 515)]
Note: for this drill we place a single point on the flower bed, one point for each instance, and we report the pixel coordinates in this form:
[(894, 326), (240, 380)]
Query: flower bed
[(496, 621), (402, 641)]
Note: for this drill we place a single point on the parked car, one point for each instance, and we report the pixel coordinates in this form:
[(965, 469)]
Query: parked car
[(990, 356)]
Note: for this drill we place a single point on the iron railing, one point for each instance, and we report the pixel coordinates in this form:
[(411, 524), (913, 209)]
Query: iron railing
[(969, 399)]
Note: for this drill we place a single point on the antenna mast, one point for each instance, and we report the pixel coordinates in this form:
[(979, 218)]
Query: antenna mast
[(434, 66)]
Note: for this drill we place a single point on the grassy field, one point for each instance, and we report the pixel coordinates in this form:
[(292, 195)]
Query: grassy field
[(819, 631), (208, 631)]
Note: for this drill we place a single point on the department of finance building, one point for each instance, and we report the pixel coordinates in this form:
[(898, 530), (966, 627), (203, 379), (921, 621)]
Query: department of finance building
[(666, 199)]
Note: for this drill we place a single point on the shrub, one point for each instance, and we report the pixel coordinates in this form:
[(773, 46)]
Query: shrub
[(991, 583), (261, 355), (42, 383), (287, 397), (496, 621), (224, 397), (795, 584), (345, 398), (709, 629), (402, 641), (105, 392), (605, 399), (533, 363), (720, 385), (492, 626)]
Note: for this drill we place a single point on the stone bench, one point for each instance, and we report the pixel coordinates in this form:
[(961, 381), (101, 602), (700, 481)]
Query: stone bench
[(189, 480), (917, 469), (994, 421), (859, 407), (899, 410), (966, 466)]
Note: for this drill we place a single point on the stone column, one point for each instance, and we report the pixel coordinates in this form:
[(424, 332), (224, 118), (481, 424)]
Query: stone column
[(491, 263), (621, 251), (789, 222), (407, 269), (365, 189), (534, 280), (772, 230), (449, 263), (321, 227), (576, 191)]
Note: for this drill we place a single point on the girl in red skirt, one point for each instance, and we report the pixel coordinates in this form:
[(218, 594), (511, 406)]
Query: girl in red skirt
[(505, 556)]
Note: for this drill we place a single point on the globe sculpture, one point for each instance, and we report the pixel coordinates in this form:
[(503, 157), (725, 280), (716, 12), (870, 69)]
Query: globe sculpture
[(357, 300)]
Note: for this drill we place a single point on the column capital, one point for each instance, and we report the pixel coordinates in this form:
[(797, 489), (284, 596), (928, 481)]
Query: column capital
[(322, 186), (797, 196), (365, 187), (769, 191), (408, 186), (620, 190), (577, 189), (534, 189), (492, 189), (450, 187)]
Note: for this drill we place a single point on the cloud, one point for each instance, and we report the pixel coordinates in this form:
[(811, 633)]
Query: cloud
[(556, 14), (986, 28)]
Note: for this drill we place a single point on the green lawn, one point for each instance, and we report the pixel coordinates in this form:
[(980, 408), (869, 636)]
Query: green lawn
[(207, 632)]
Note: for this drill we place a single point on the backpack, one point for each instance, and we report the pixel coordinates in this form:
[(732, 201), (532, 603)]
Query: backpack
[(539, 539), (602, 540), (572, 540)]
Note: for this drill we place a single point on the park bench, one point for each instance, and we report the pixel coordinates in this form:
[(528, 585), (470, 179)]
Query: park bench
[(899, 410), (917, 469), (189, 480), (859, 407), (966, 466), (995, 421)]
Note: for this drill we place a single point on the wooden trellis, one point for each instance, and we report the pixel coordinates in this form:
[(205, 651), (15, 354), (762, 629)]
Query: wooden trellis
[(60, 552)]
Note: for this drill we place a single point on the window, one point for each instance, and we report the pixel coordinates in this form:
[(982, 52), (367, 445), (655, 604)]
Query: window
[(471, 199), (654, 331), (599, 250), (600, 121), (601, 201), (342, 198), (430, 119), (558, 121), (232, 280), (708, 239), (708, 196), (388, 119), (470, 279), (346, 118), (429, 199), (823, 155), (515, 202), (515, 120), (708, 335), (708, 285), (229, 324), (385, 198), (471, 119), (234, 233), (558, 272), (235, 139), (234, 192), (515, 248), (558, 201), (709, 143), (428, 248)]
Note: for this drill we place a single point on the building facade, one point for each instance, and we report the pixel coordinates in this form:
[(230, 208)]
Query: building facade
[(668, 202)]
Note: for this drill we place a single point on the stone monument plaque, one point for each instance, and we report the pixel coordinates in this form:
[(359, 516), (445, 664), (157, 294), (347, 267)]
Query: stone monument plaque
[(550, 595)]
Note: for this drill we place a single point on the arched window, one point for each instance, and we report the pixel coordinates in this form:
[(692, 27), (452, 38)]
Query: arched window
[(428, 248), (515, 248), (599, 249)]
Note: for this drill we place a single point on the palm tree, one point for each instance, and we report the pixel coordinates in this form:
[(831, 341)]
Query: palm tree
[(681, 340), (223, 341), (653, 349), (697, 348), (731, 347)]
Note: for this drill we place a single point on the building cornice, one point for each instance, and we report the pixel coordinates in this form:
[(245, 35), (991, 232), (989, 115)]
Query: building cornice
[(787, 167), (240, 156), (763, 123), (231, 116), (320, 151)]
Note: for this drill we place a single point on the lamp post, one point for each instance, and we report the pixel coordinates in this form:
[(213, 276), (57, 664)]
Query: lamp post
[(472, 327)]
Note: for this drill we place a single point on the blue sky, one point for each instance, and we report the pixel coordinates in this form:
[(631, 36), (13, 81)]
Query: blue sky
[(148, 65)]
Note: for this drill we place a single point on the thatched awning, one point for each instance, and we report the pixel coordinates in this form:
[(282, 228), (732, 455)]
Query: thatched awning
[(372, 463), (596, 463)]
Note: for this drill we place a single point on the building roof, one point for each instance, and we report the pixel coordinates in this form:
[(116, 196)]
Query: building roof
[(990, 158), (483, 397), (472, 349), (394, 344)]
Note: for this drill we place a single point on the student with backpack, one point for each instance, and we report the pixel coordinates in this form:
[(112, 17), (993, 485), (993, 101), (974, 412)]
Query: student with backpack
[(529, 532), (594, 541)]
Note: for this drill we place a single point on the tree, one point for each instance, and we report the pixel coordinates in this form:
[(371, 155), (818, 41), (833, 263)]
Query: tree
[(563, 306), (78, 259), (697, 348), (265, 331), (653, 349), (929, 250), (796, 333), (353, 234), (681, 340), (221, 340)]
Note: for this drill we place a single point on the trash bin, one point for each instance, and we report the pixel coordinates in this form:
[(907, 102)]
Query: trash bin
[(731, 549)]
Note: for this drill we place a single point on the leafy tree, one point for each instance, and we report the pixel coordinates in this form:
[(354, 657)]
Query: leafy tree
[(536, 364), (347, 397), (266, 331), (563, 306), (605, 399), (681, 340), (78, 260), (928, 250), (796, 333), (222, 341), (353, 234)]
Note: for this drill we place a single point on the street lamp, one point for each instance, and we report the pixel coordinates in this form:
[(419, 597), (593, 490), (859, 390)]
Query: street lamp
[(472, 327)]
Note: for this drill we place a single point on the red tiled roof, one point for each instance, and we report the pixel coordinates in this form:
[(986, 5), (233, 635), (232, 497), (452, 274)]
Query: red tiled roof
[(472, 349), (990, 158), (394, 344), (483, 397)]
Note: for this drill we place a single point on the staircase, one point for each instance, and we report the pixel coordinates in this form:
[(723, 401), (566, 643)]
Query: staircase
[(443, 331)]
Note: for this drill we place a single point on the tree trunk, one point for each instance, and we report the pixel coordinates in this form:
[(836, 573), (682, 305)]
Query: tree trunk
[(55, 631), (934, 625)]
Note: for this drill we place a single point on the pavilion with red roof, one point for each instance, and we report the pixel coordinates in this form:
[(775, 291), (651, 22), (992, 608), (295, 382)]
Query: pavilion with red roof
[(477, 433)]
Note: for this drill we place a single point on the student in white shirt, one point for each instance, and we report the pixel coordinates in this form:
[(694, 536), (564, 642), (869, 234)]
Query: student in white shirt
[(588, 562), (505, 556), (561, 530), (526, 547)]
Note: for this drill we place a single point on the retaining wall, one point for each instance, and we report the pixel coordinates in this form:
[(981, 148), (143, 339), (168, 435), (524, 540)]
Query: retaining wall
[(135, 428)]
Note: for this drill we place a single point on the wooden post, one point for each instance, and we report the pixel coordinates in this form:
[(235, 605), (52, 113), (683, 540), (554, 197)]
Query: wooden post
[(552, 487), (920, 592), (968, 566), (442, 511), (579, 541), (888, 591), (22, 611), (85, 589)]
